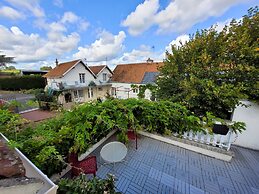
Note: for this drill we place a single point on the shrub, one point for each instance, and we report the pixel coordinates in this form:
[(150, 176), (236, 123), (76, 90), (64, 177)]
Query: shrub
[(81, 185), (22, 82)]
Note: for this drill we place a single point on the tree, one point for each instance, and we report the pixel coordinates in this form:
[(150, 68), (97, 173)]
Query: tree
[(45, 68), (5, 60), (214, 69), (10, 67)]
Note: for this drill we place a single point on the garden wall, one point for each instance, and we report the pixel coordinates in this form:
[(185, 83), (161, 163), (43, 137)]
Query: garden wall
[(250, 115)]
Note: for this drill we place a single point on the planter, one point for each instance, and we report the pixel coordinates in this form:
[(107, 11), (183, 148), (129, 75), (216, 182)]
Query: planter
[(220, 129)]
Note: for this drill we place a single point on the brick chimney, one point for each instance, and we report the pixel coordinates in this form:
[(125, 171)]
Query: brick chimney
[(56, 62)]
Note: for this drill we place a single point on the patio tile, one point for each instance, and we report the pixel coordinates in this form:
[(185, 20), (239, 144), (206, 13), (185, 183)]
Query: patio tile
[(157, 167), (139, 179), (155, 174)]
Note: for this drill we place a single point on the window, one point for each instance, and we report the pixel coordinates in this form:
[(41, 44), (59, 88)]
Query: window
[(80, 93), (135, 90), (114, 91), (104, 76), (90, 92), (82, 77), (75, 94), (100, 89)]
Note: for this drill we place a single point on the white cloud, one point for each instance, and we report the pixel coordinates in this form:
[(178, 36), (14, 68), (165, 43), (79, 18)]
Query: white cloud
[(178, 16), (220, 25), (10, 13), (179, 41), (69, 17), (58, 3), (137, 56), (32, 47), (107, 46), (142, 18), (28, 5)]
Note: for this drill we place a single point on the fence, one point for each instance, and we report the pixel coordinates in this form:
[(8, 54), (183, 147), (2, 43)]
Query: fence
[(216, 140)]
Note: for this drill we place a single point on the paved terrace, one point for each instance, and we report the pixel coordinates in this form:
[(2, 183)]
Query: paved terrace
[(157, 167)]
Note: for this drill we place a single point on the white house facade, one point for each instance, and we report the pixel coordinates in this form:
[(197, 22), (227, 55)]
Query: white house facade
[(78, 82), (137, 74)]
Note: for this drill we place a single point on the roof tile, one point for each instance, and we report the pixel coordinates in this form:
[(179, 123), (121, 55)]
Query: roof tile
[(60, 69), (134, 73)]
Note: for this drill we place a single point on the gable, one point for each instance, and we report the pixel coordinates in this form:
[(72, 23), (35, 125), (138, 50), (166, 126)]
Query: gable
[(63, 68)]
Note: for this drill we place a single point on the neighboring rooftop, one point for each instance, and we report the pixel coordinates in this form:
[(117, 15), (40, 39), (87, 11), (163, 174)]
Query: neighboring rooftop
[(135, 72), (98, 68), (61, 69), (33, 72)]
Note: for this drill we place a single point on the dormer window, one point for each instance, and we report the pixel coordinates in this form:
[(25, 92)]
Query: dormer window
[(104, 76), (82, 77)]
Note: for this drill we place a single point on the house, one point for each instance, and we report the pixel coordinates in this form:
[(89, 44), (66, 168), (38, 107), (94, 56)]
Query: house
[(78, 82), (33, 72), (126, 75)]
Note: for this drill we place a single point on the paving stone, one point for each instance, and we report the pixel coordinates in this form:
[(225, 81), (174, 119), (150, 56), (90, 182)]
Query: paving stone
[(155, 174), (157, 167)]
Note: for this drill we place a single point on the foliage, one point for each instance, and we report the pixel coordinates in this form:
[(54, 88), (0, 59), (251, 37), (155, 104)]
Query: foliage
[(22, 82), (214, 70), (48, 144), (45, 68), (81, 185), (4, 60), (143, 88)]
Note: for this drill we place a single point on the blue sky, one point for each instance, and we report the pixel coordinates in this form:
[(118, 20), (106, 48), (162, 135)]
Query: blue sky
[(106, 31)]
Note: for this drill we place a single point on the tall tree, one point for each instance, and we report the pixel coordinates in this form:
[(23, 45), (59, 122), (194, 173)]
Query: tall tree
[(5, 60), (214, 69)]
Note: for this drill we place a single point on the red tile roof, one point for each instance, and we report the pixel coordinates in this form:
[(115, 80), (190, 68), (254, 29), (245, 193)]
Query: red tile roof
[(60, 69), (134, 73), (96, 69)]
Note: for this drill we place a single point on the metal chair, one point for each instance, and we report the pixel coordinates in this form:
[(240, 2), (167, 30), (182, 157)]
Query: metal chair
[(132, 135), (86, 166)]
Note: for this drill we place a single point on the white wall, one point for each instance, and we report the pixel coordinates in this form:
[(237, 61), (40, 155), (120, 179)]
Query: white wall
[(122, 88), (250, 137), (72, 76), (99, 78)]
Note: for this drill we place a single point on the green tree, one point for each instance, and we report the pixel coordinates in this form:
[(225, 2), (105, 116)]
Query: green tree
[(46, 68), (212, 63), (5, 60)]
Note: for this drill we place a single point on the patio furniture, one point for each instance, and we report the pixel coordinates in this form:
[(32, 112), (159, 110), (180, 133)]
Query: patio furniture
[(113, 152), (132, 135), (86, 166)]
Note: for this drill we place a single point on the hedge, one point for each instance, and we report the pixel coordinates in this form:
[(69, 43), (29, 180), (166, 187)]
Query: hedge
[(22, 82)]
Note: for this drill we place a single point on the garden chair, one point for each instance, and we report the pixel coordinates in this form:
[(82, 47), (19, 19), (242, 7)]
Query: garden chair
[(132, 135), (86, 166)]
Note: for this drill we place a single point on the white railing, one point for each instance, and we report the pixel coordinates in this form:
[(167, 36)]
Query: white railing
[(216, 140)]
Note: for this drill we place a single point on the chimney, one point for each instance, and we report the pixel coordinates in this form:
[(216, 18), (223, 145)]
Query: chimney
[(150, 60), (56, 62)]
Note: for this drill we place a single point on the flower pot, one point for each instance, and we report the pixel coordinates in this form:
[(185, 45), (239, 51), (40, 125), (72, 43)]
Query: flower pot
[(220, 129)]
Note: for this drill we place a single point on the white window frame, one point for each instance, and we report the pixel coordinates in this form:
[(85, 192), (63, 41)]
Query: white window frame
[(104, 77), (82, 77), (135, 90)]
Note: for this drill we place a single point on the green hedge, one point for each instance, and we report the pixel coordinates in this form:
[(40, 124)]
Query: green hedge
[(22, 82)]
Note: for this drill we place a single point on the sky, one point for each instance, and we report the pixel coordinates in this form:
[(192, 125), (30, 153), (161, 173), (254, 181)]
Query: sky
[(111, 32)]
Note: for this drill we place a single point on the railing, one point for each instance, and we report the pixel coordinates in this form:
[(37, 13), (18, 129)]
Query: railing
[(216, 140)]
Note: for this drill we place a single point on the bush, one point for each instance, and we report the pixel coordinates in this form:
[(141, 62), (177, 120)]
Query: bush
[(81, 185), (50, 142), (22, 82)]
